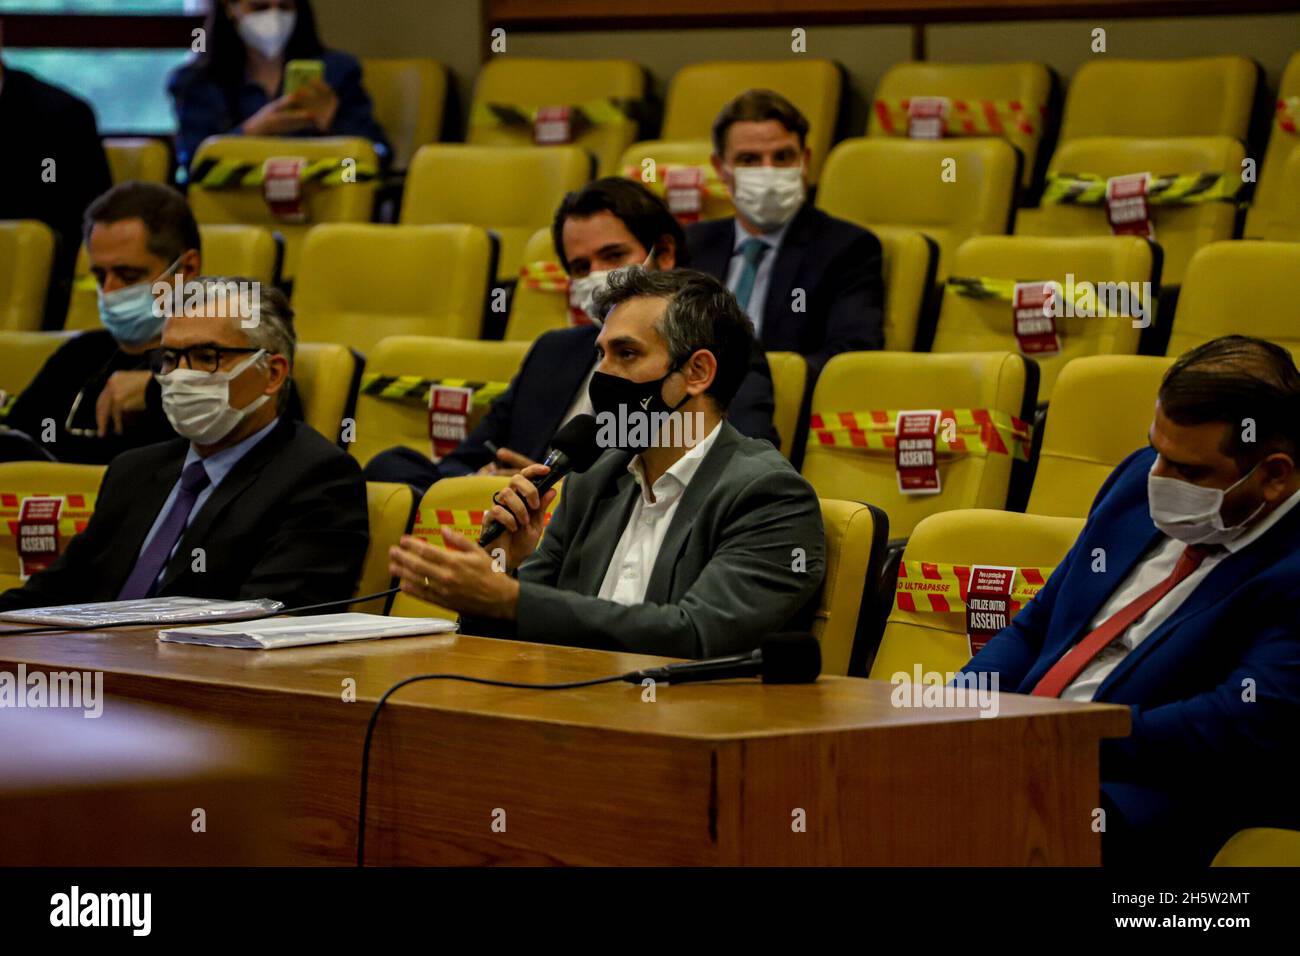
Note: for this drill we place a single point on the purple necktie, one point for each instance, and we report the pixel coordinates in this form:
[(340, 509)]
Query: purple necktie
[(154, 558)]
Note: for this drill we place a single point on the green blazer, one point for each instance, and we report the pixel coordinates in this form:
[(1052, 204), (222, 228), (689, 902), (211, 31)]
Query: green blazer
[(743, 557)]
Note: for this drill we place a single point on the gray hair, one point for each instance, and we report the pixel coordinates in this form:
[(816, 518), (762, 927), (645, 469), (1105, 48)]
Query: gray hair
[(261, 313), (700, 314)]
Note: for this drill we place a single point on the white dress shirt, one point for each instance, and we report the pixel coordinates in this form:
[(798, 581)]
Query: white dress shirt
[(1154, 568), (763, 274), (628, 574)]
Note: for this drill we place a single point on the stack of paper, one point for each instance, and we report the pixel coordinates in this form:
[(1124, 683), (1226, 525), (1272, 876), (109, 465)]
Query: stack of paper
[(155, 610), (312, 629)]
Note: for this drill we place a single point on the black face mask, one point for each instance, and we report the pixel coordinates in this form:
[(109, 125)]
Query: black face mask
[(610, 393)]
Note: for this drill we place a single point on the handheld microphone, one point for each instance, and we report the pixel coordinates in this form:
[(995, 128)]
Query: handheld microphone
[(788, 658), (573, 448)]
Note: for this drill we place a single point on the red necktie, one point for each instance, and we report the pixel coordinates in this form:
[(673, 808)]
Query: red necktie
[(1062, 674)]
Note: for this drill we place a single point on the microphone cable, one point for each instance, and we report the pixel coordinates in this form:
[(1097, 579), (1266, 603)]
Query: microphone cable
[(379, 706)]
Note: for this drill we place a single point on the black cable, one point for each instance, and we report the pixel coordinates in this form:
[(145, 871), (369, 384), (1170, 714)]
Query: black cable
[(59, 628), (374, 717)]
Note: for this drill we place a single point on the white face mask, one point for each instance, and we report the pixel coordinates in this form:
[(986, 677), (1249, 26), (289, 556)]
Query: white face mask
[(267, 31), (1190, 513), (582, 292), (198, 403), (768, 196)]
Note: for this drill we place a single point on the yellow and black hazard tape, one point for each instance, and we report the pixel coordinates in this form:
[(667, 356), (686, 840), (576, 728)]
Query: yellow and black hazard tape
[(211, 173), (597, 112), (1167, 189), (415, 388), (986, 288), (974, 431), (925, 587), (76, 512), (544, 277), (967, 117)]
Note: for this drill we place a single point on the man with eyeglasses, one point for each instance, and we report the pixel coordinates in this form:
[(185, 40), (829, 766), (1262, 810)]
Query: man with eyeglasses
[(247, 503), (95, 397)]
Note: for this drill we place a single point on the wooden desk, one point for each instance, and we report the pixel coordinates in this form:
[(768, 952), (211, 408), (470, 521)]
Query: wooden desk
[(706, 774)]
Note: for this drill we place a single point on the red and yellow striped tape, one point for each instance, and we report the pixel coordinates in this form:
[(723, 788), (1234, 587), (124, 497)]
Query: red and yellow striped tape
[(974, 431), (925, 587)]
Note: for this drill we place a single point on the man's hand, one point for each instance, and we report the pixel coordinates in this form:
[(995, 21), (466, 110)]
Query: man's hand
[(507, 463), (278, 117), (522, 510), (460, 576), (123, 395)]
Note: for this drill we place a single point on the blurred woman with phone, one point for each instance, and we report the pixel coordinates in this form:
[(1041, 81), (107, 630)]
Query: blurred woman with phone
[(265, 72)]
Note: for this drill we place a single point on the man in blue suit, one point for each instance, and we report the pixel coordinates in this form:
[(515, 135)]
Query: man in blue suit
[(1179, 600)]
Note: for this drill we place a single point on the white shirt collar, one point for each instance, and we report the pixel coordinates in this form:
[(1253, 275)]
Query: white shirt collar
[(1260, 528), (674, 481)]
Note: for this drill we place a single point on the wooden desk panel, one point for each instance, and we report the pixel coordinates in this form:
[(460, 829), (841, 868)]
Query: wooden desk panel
[(706, 774)]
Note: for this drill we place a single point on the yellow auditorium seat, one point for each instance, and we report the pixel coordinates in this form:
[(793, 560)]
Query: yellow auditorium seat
[(1246, 287), (457, 503), (1100, 413), (997, 99), (359, 283), (927, 627), (138, 158), (385, 422), (909, 261), (651, 161), (512, 191), (901, 182), (408, 97), (999, 386), (1275, 207), (223, 193), (1260, 846), (789, 381), (541, 299), (855, 547), (26, 255), (970, 321), (391, 507), (1180, 228), (78, 485), (509, 90), (21, 356), (697, 93), (1206, 96), (324, 374)]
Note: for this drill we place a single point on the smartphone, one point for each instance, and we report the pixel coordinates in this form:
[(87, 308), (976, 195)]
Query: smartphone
[(299, 74)]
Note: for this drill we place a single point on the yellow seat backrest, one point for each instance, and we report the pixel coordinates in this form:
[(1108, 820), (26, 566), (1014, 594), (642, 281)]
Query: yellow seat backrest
[(1275, 206), (26, 254), (359, 283), (1260, 846), (458, 503), (1029, 84), (390, 507), (1100, 412), (228, 250), (909, 261), (534, 311), (855, 544), (137, 158), (324, 373), (936, 641), (969, 325), (697, 93), (346, 202), (22, 354), (526, 82), (77, 484), (1179, 229), (383, 423), (893, 381), (513, 191), (1205, 96), (789, 379), (1228, 281), (901, 182), (408, 97), (651, 157)]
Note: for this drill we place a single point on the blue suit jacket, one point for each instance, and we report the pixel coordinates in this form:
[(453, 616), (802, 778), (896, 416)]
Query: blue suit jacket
[(1214, 691)]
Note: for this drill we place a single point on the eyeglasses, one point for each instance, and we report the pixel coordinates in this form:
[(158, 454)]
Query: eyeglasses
[(200, 358)]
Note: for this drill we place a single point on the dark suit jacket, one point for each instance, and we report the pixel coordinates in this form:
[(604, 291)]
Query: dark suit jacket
[(1202, 760), (526, 416), (836, 263), (724, 577), (289, 523)]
